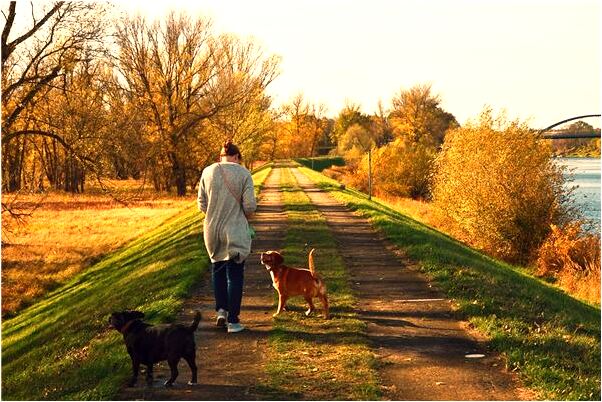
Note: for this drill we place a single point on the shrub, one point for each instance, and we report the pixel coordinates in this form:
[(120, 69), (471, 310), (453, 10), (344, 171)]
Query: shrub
[(572, 256), (497, 186), (400, 168)]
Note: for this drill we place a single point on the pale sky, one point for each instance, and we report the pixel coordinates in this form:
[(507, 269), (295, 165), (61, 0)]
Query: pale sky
[(538, 60)]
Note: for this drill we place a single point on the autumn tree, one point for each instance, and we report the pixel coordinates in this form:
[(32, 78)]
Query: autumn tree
[(417, 125), (381, 125), (76, 109), (180, 76), (302, 127), (58, 38), (418, 117), (349, 116)]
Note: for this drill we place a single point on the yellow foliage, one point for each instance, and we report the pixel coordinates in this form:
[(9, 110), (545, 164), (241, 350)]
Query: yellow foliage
[(498, 188), (573, 258), (400, 168)]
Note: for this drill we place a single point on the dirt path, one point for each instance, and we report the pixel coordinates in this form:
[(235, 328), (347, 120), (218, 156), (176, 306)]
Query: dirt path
[(230, 365), (410, 324)]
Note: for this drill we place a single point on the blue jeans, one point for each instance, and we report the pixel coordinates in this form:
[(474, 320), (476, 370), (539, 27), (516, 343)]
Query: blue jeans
[(228, 279)]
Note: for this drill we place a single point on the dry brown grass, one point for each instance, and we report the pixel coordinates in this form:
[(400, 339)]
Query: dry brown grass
[(67, 233), (572, 257)]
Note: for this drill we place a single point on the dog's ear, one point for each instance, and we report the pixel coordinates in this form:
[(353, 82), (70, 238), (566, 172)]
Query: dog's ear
[(278, 258)]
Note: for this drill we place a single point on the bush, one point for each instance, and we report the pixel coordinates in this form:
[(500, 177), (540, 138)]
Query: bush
[(572, 256), (497, 187), (399, 169)]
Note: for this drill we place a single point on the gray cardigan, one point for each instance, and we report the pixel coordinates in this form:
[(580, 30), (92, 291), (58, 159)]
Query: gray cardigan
[(225, 228)]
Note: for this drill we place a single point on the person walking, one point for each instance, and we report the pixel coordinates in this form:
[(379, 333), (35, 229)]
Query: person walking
[(226, 196)]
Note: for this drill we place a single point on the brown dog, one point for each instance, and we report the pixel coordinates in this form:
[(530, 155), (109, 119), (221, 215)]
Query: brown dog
[(295, 281), (148, 344)]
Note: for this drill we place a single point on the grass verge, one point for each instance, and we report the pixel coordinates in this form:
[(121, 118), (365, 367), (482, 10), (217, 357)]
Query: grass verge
[(550, 338), (60, 348), (310, 357)]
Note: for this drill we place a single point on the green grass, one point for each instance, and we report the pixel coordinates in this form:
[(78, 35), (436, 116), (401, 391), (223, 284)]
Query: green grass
[(551, 339), (322, 162), (313, 358), (61, 348)]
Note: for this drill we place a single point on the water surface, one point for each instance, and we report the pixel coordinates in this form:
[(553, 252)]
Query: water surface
[(586, 177)]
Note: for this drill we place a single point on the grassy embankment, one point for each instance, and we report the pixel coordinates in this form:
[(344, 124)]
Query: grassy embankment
[(68, 233), (550, 338), (310, 357), (60, 347)]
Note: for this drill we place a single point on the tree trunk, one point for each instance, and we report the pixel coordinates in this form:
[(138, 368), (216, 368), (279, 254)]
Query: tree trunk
[(12, 165), (179, 174)]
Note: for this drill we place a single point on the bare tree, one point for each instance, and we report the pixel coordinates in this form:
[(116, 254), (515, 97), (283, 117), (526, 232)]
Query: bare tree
[(181, 76), (39, 48), (58, 38)]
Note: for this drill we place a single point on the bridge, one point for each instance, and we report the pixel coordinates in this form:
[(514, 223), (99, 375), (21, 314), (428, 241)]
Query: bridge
[(549, 133)]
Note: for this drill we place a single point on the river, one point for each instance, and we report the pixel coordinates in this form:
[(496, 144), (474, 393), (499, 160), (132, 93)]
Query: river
[(586, 176)]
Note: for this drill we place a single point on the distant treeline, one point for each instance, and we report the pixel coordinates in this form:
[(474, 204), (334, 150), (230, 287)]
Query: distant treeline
[(89, 96)]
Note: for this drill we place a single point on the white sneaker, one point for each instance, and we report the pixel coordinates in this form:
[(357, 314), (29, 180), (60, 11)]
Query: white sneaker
[(235, 327), (222, 315)]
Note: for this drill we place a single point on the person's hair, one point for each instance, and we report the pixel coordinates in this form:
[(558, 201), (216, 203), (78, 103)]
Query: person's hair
[(229, 149)]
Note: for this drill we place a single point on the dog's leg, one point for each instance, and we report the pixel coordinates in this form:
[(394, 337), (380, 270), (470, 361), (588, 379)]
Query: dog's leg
[(190, 360), (311, 305), (281, 303), (135, 370), (149, 374), (324, 300), (173, 366)]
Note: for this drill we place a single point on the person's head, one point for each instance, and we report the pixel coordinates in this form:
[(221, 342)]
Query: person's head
[(230, 153)]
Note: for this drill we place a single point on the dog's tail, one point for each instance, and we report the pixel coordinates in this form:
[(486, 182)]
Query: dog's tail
[(195, 323), (312, 268)]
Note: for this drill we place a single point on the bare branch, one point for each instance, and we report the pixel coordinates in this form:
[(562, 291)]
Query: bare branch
[(8, 48)]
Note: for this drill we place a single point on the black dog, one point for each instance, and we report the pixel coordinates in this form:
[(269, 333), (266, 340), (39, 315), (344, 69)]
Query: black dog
[(148, 344)]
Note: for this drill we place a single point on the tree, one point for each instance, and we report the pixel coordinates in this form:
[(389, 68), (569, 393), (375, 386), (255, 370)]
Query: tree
[(181, 76), (250, 124), (417, 127), (350, 115), (382, 126), (76, 109), (302, 127), (578, 146), (60, 37), (417, 115)]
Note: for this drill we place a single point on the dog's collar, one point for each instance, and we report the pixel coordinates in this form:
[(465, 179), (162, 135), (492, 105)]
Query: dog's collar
[(126, 326)]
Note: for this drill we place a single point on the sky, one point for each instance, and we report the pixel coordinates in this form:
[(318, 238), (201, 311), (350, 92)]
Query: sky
[(537, 60)]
